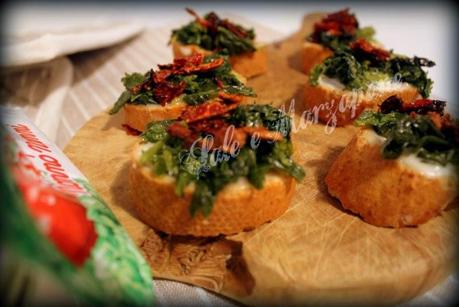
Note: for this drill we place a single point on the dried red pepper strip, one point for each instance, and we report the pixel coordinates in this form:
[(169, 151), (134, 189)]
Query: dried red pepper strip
[(362, 46), (336, 24), (263, 133), (207, 110), (213, 21), (423, 106), (230, 97), (224, 136), (164, 92), (419, 106), (203, 22), (203, 67)]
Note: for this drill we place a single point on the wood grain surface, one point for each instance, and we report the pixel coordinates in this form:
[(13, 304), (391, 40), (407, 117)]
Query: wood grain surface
[(314, 253)]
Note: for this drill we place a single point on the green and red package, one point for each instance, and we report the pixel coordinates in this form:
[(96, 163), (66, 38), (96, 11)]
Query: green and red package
[(55, 222)]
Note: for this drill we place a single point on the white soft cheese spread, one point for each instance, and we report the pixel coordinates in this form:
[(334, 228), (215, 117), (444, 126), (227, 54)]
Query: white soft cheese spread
[(186, 50), (240, 184), (380, 86), (413, 162)]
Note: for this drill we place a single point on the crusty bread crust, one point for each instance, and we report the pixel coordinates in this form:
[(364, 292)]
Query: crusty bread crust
[(385, 192), (238, 207), (248, 64), (341, 107), (138, 116), (313, 54)]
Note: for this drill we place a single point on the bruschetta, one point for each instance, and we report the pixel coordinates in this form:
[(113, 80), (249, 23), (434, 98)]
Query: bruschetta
[(210, 34), (362, 76), (221, 168), (165, 93), (401, 168), (332, 32)]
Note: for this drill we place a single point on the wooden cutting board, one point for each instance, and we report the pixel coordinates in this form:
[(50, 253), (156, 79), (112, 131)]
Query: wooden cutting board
[(315, 252)]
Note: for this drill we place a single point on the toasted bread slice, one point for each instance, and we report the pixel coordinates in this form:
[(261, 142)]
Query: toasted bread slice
[(337, 106), (313, 54), (247, 64), (250, 64), (137, 116), (238, 207), (385, 192)]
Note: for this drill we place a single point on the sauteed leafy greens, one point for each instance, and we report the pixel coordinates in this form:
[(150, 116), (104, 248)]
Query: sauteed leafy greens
[(212, 171), (356, 73), (217, 38), (406, 134)]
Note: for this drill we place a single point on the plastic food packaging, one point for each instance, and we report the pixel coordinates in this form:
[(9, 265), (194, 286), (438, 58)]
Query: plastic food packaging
[(57, 231)]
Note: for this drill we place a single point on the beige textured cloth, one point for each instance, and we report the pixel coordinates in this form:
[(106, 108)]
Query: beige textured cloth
[(61, 95), (31, 47)]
